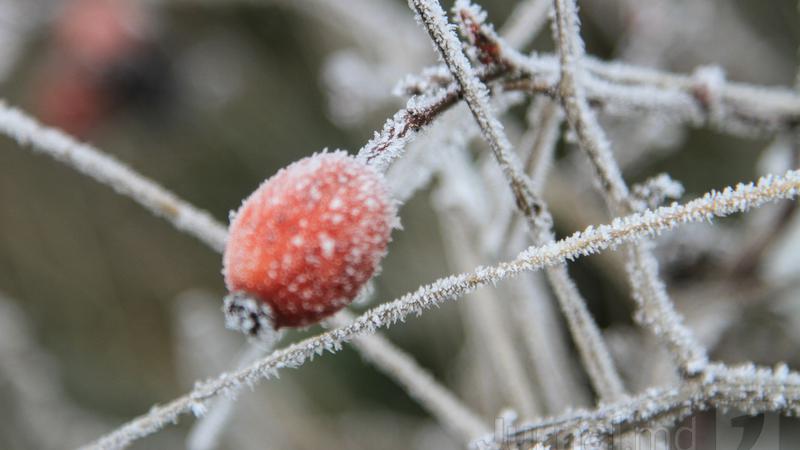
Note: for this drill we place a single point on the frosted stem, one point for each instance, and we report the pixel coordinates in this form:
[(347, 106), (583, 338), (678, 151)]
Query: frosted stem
[(601, 369), (549, 352), (655, 308), (206, 433), (747, 388), (525, 22), (420, 385), (488, 323), (109, 171)]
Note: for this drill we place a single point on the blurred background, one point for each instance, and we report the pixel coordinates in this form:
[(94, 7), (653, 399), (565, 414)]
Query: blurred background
[(107, 310)]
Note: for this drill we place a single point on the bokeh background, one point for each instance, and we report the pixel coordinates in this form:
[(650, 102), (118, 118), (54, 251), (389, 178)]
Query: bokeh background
[(209, 100)]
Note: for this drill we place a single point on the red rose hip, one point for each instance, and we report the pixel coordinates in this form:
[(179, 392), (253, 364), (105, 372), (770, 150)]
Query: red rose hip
[(305, 242)]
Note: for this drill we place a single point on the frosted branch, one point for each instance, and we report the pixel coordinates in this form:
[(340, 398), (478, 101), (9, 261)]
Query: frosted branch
[(592, 240), (627, 90), (487, 323), (525, 22), (571, 92), (207, 431), (432, 17), (419, 384), (655, 308), (747, 388), (587, 336), (420, 111), (549, 352), (43, 412), (539, 142), (107, 170)]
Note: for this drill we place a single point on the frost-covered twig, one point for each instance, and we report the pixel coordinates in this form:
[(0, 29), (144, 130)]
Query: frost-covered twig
[(748, 388), (538, 321), (206, 432), (573, 98), (592, 240), (536, 149), (741, 109), (389, 144), (107, 170), (624, 89), (463, 206), (462, 191), (20, 20), (525, 22), (539, 143), (655, 307), (487, 323), (549, 351), (44, 415), (419, 384), (587, 336), (432, 17)]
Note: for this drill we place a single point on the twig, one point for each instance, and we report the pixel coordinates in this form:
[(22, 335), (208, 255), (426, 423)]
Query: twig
[(573, 98), (205, 434), (592, 240), (655, 308), (545, 119), (474, 92), (525, 22), (419, 384), (107, 170), (389, 144), (487, 322), (536, 149), (748, 388), (538, 321), (604, 377), (622, 89), (542, 330), (44, 415), (549, 352)]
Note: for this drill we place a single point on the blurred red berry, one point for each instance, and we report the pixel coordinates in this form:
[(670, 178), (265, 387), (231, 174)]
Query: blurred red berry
[(103, 59), (67, 100), (307, 240), (94, 32)]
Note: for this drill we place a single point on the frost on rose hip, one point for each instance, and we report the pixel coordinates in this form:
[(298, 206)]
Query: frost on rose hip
[(306, 241)]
